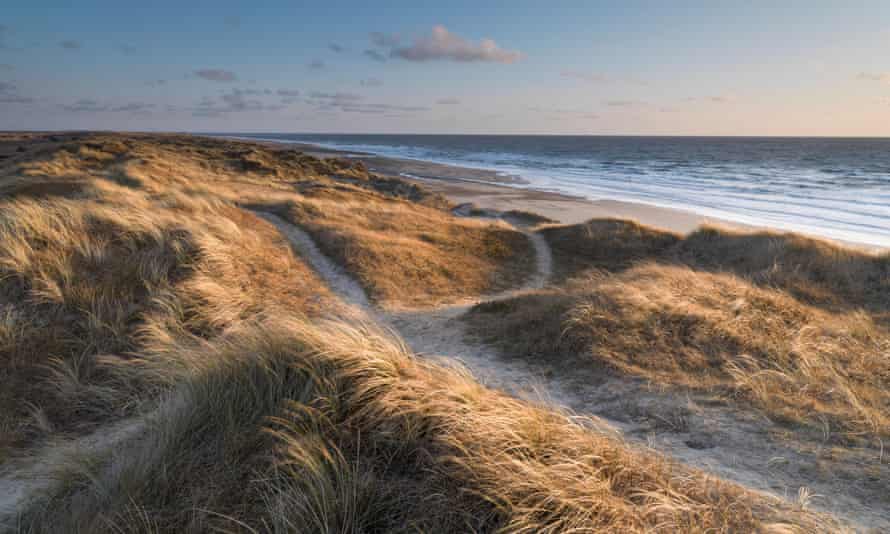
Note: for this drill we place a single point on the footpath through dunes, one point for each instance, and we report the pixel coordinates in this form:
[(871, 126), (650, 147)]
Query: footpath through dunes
[(136, 287), (698, 429)]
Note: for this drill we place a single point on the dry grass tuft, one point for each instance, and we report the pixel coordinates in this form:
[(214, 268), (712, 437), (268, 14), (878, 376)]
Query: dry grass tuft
[(406, 253), (84, 283), (362, 437), (143, 289), (791, 324)]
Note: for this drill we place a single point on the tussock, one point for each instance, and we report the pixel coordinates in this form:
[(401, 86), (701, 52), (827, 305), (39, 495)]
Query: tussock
[(360, 436), (132, 283), (792, 324)]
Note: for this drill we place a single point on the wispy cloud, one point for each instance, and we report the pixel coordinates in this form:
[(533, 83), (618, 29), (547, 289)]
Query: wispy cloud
[(156, 83), (712, 99), (599, 77), (216, 75), (234, 101), (450, 101), (6, 66), (375, 55), (596, 77), (85, 105), (288, 96), (70, 44), (353, 103), (371, 82), (335, 47), (444, 45), (127, 49), (334, 99), (624, 103), (381, 108), (385, 40), (874, 76), (9, 94), (136, 108), (316, 64), (562, 113)]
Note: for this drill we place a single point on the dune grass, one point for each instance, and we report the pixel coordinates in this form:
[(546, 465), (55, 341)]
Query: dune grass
[(132, 284), (286, 426), (83, 282), (794, 326), (409, 254)]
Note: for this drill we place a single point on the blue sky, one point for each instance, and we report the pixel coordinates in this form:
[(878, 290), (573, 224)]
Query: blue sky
[(708, 68)]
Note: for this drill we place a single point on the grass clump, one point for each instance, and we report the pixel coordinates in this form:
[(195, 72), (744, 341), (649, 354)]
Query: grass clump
[(86, 283), (792, 325), (406, 253), (325, 428)]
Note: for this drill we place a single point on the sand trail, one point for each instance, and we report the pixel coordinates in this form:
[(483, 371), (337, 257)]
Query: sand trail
[(696, 429)]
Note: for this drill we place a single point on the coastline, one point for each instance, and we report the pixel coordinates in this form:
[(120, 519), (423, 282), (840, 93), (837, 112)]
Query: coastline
[(490, 190)]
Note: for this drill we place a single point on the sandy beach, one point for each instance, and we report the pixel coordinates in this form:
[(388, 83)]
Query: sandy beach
[(491, 190)]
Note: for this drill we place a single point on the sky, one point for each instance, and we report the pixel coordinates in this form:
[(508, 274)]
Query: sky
[(513, 67)]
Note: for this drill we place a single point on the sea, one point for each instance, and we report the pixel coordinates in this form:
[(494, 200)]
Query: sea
[(832, 187)]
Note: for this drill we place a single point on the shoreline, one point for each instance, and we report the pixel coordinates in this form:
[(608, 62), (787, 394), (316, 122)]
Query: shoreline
[(488, 189)]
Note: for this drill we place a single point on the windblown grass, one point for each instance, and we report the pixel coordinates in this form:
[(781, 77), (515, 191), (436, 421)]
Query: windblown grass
[(792, 325), (84, 282), (287, 426), (141, 287), (406, 253)]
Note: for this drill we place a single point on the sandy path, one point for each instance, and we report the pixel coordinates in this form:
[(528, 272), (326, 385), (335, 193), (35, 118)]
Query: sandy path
[(693, 428), (27, 477)]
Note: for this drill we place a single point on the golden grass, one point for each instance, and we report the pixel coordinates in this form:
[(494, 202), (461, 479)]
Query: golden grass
[(789, 324), (287, 426), (406, 253), (145, 289), (82, 282)]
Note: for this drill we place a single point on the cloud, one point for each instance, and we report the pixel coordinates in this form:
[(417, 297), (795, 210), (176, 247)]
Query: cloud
[(448, 101), (85, 105), (586, 76), (9, 94), (874, 76), (352, 103), (566, 113), (234, 101), (288, 96), (375, 55), (216, 75), (384, 40), (371, 82), (316, 64), (334, 47), (127, 49), (713, 99), (88, 105), (381, 108), (6, 66), (70, 45), (232, 22), (334, 100), (599, 77), (136, 108), (156, 83), (4, 30), (444, 45), (624, 103)]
